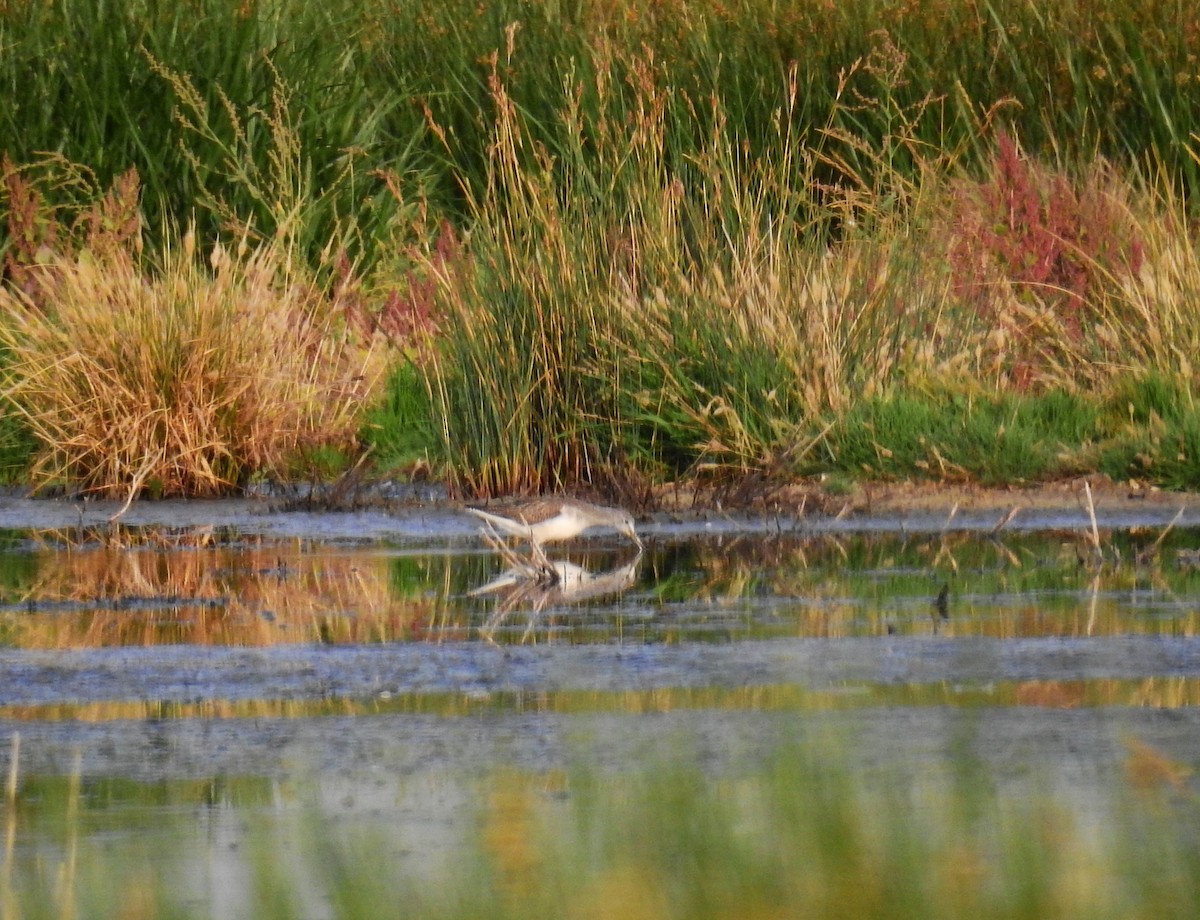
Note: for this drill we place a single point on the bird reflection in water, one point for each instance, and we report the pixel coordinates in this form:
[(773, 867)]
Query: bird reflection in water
[(535, 583)]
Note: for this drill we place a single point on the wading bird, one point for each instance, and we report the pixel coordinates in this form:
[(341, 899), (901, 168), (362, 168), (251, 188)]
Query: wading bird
[(546, 520)]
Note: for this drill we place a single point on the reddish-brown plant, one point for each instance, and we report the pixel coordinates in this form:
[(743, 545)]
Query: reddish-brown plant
[(404, 313), (1030, 232), (31, 229)]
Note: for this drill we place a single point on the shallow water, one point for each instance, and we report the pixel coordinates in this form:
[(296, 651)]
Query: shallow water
[(196, 663)]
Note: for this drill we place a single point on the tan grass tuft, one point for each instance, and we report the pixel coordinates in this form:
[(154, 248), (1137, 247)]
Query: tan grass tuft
[(187, 378)]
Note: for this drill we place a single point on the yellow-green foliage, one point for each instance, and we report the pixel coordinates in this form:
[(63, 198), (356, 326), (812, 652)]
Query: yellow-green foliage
[(184, 377), (803, 830), (685, 236), (626, 308)]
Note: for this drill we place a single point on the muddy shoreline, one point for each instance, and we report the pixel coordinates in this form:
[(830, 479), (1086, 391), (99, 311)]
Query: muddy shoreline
[(424, 514)]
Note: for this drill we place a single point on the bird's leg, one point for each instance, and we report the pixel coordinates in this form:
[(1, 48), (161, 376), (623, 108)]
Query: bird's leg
[(496, 542)]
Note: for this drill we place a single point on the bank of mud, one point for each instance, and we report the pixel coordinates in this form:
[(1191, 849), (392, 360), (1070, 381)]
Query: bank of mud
[(424, 512)]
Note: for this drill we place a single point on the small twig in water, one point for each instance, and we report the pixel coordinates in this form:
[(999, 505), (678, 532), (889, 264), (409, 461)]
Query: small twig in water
[(1006, 520), (10, 786), (1087, 488), (1157, 545), (950, 517)]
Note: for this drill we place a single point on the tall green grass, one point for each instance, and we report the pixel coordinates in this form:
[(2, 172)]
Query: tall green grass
[(758, 303), (660, 240), (1074, 79), (371, 80), (719, 315), (617, 308), (189, 96)]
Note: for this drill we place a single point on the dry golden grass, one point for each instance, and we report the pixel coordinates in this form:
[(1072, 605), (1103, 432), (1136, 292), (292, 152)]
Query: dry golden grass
[(184, 378)]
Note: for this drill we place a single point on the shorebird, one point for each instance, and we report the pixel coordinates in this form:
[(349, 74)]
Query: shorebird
[(545, 520)]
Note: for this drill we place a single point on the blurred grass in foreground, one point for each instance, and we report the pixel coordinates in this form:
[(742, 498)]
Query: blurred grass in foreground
[(807, 833)]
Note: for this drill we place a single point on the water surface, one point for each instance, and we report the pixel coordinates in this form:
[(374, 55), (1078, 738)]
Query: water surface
[(195, 667)]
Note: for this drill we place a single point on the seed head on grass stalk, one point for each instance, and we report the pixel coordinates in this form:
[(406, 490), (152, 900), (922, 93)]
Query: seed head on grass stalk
[(516, 409)]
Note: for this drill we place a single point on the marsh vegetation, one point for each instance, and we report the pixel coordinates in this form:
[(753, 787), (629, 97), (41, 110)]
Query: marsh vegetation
[(523, 247), (615, 246)]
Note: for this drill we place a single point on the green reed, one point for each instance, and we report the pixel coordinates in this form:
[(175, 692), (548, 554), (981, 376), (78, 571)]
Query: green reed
[(732, 314), (1076, 78), (687, 236), (370, 79), (185, 96), (668, 315)]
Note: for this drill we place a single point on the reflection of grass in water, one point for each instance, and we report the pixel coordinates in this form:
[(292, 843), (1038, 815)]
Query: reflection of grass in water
[(1017, 584), (253, 593), (154, 588), (1157, 692), (807, 833), (110, 847)]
